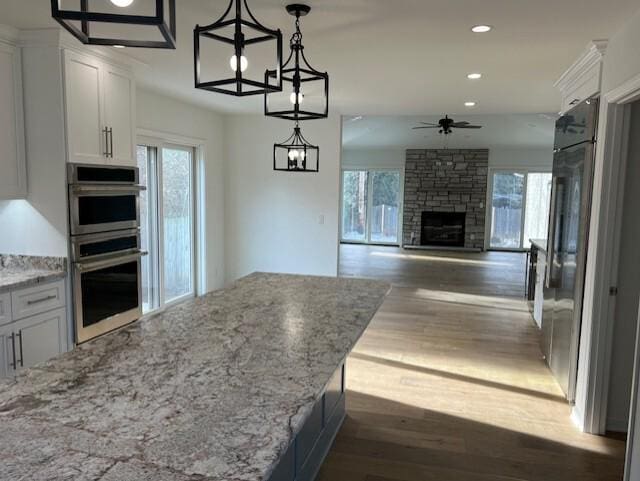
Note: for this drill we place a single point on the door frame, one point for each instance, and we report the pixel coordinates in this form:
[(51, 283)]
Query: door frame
[(488, 218), (158, 139), (594, 362), (369, 204)]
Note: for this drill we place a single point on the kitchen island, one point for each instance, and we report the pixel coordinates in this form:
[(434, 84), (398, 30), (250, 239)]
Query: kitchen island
[(236, 385)]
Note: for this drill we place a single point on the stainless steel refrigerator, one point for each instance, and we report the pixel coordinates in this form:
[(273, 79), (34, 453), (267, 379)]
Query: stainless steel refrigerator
[(567, 241)]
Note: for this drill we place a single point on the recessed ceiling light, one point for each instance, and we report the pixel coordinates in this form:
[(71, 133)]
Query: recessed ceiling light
[(474, 76), (469, 104), (118, 46), (481, 28)]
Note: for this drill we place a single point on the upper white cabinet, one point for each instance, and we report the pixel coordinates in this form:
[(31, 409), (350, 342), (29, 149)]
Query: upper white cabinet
[(13, 171), (583, 79), (120, 107), (100, 111)]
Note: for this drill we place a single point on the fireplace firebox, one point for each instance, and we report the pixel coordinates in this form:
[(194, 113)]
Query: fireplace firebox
[(443, 229)]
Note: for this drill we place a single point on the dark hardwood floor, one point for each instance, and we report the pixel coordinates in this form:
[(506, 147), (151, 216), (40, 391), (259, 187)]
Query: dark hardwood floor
[(491, 273), (448, 383)]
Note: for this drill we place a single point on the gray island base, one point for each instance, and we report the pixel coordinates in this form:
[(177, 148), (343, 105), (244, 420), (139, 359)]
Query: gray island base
[(243, 384)]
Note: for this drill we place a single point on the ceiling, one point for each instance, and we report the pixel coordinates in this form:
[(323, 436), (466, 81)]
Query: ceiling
[(528, 131), (392, 57)]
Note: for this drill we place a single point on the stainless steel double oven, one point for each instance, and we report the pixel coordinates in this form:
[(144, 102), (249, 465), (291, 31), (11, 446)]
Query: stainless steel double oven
[(104, 213)]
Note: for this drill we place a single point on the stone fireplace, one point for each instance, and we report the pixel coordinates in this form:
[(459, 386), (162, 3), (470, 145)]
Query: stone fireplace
[(444, 198)]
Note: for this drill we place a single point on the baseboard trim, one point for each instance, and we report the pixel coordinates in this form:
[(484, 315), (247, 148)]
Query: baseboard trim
[(617, 425)]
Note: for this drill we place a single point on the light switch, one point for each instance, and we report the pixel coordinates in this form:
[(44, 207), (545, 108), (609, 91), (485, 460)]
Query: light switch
[(321, 219)]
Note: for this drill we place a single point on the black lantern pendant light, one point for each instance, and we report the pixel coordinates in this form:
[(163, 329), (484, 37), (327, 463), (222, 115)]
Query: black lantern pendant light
[(296, 154), (238, 33), (303, 84), (85, 17)]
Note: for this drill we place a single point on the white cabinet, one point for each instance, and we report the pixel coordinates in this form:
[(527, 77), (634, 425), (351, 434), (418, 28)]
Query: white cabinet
[(583, 79), (100, 111), (34, 327), (13, 171), (120, 114), (40, 338), (538, 302)]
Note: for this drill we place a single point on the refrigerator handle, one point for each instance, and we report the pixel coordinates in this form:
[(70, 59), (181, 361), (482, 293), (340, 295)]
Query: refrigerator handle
[(552, 233)]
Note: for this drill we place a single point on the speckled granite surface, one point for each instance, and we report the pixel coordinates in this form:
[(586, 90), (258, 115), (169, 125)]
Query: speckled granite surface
[(18, 272), (212, 389)]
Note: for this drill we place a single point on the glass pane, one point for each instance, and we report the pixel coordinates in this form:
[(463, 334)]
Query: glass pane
[(354, 205), (506, 210), (536, 219), (177, 200), (147, 283), (108, 291), (385, 208)]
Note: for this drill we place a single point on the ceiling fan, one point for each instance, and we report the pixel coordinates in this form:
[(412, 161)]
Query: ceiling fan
[(445, 125)]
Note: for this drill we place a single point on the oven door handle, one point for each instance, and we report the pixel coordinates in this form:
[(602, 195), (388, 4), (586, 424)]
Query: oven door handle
[(106, 189), (113, 261)]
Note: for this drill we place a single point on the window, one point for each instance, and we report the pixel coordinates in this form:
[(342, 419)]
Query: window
[(371, 206), (167, 223), (519, 208), (354, 206)]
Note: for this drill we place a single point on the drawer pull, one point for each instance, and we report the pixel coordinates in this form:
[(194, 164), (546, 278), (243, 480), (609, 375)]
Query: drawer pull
[(21, 360), (39, 301), (14, 364)]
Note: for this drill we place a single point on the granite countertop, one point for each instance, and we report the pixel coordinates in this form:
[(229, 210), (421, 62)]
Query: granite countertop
[(213, 389), (18, 272), (541, 244)]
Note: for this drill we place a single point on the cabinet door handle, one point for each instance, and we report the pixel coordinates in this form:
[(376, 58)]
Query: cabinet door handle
[(111, 142), (21, 361), (105, 131), (14, 364), (44, 299)]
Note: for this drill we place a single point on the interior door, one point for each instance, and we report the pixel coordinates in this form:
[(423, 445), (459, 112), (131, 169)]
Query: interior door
[(85, 118), (120, 114)]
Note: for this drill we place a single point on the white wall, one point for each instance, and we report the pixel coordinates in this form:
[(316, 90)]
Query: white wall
[(499, 157), (160, 113), (273, 218), (373, 158), (38, 225)]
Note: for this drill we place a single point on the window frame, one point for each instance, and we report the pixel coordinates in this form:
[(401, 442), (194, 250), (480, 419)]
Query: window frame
[(158, 142), (369, 205), (489, 203)]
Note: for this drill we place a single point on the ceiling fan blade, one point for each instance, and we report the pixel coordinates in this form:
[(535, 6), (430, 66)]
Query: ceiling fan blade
[(429, 123), (468, 126), (427, 127)]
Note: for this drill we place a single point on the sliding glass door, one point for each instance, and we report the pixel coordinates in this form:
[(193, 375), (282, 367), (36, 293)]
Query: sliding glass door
[(167, 223), (519, 208), (371, 206)]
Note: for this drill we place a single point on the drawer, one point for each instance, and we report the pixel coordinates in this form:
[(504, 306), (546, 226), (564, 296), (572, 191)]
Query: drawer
[(38, 299), (5, 308), (286, 468), (309, 434), (334, 391)]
